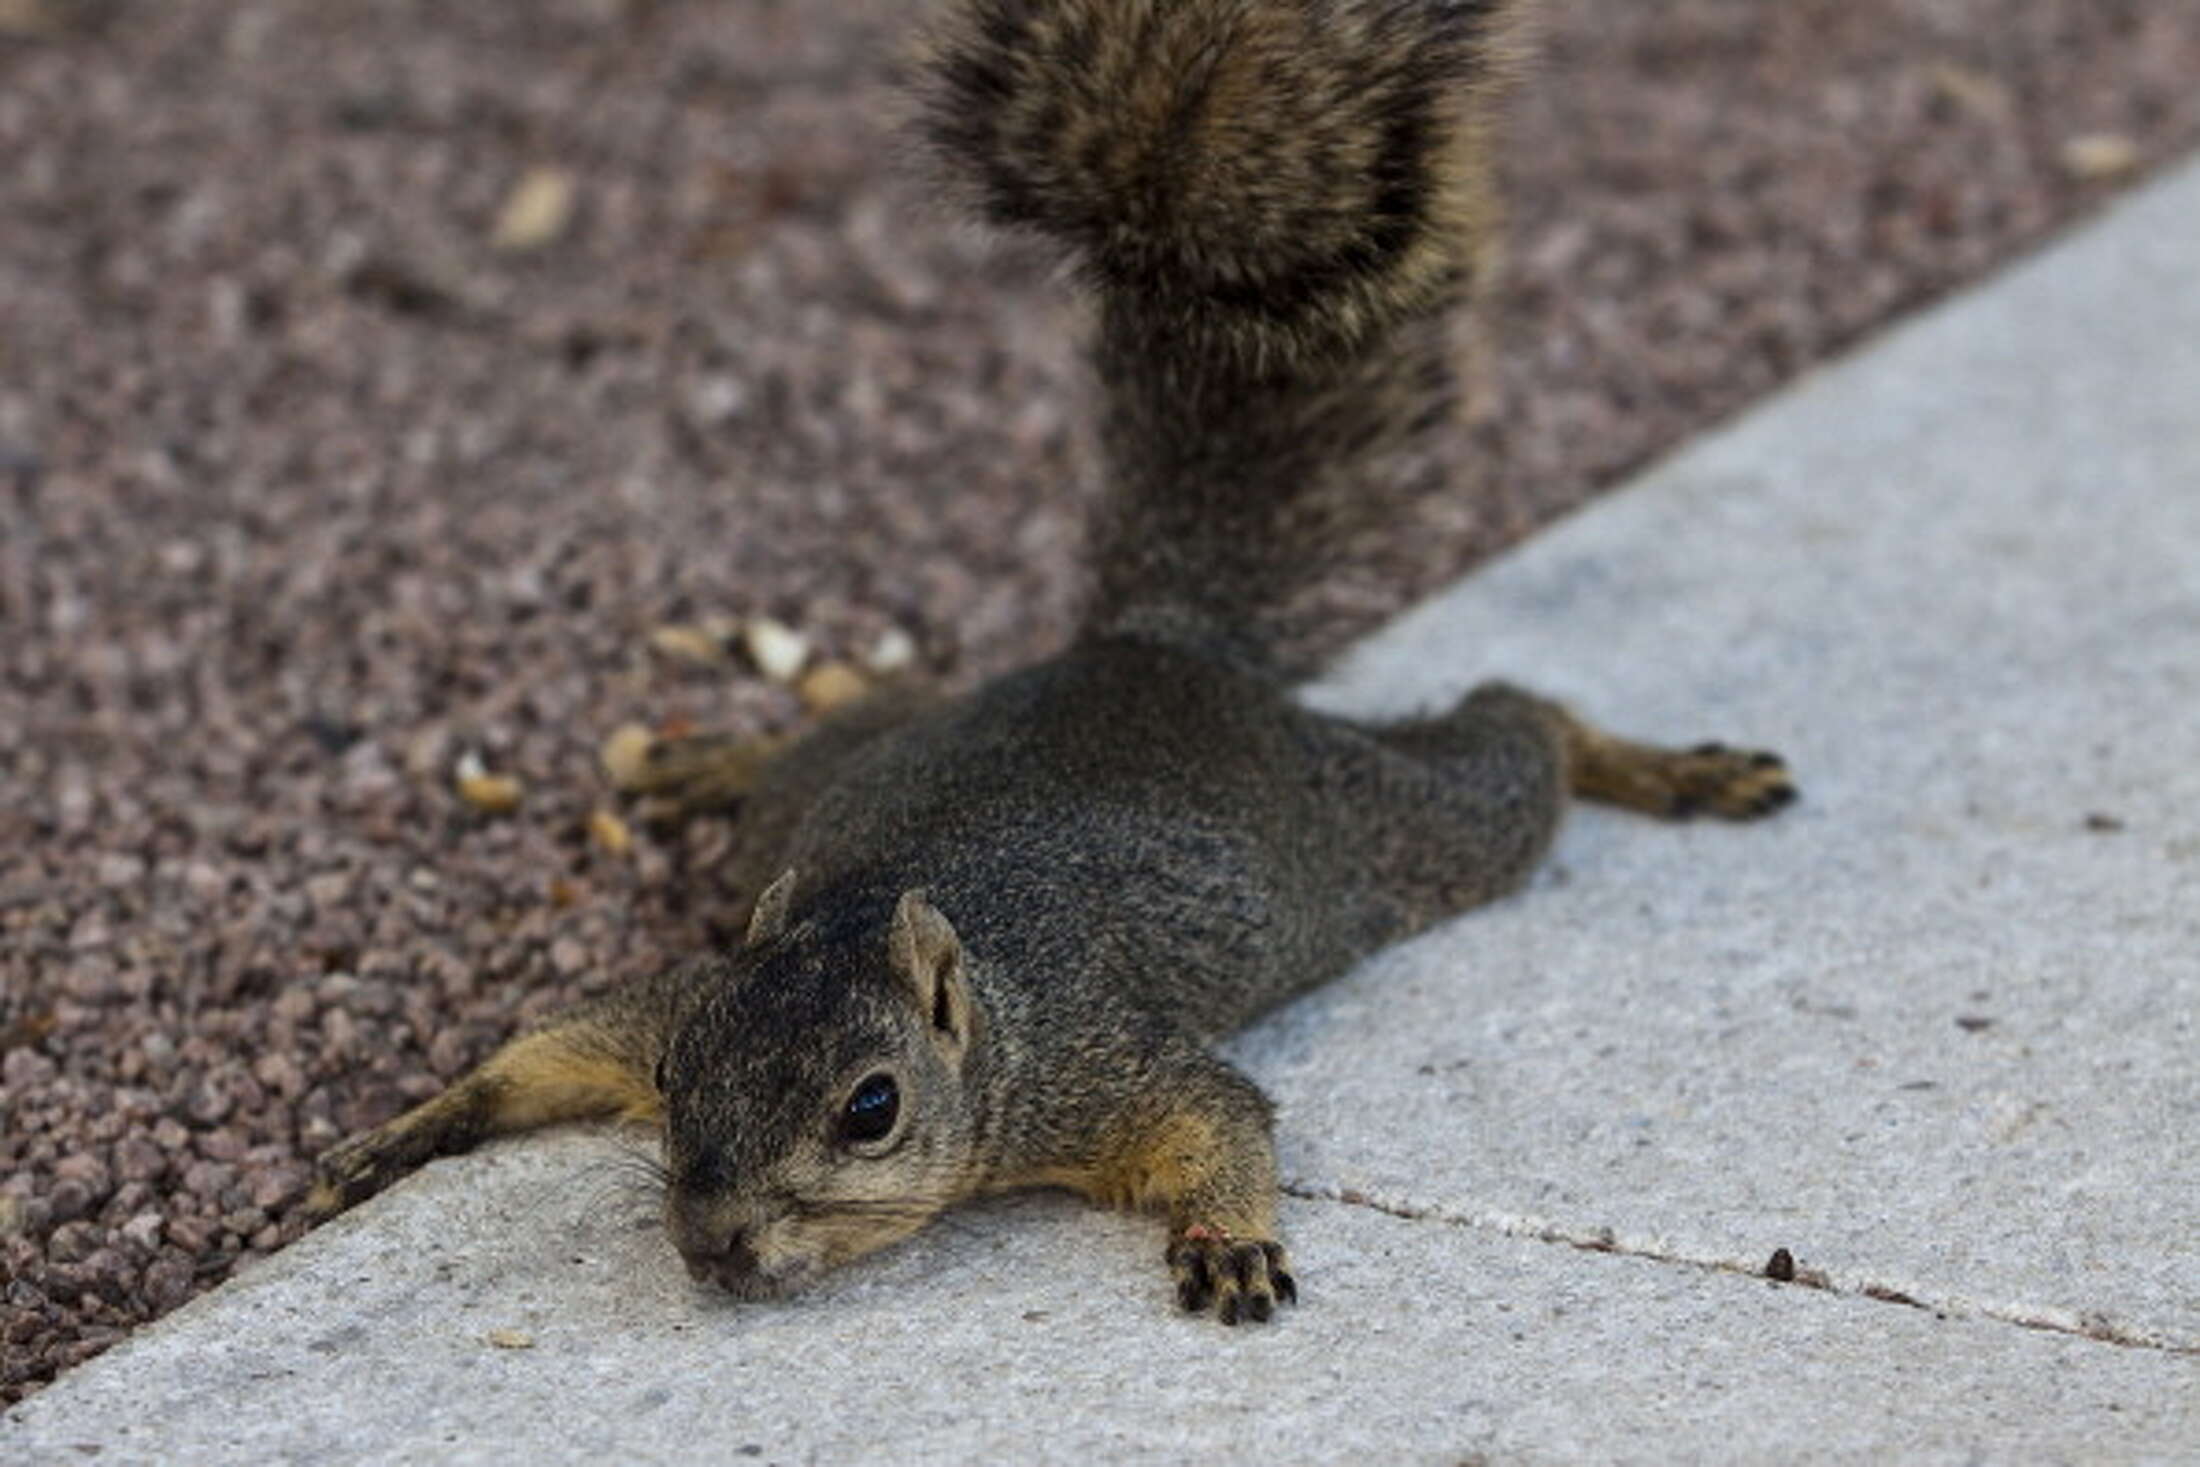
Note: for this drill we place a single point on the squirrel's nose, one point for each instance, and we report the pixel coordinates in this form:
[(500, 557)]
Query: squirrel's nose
[(730, 1263)]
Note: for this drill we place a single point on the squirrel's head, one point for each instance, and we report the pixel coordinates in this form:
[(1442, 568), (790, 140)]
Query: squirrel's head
[(815, 1104)]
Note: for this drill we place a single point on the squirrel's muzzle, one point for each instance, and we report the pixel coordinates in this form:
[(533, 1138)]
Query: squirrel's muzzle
[(732, 1265), (731, 1245), (717, 1247)]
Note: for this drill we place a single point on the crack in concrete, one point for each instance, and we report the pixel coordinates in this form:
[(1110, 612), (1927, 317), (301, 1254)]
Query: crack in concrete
[(1781, 1268)]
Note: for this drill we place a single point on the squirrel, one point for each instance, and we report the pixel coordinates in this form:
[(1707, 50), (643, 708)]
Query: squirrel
[(996, 934)]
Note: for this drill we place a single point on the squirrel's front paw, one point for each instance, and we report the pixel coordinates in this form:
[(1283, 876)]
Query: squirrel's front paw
[(348, 1173), (353, 1170), (1242, 1278)]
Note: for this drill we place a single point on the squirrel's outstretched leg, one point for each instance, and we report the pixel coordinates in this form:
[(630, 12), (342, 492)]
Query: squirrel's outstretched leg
[(1708, 779), (596, 1060), (1201, 1151), (701, 774), (1471, 806)]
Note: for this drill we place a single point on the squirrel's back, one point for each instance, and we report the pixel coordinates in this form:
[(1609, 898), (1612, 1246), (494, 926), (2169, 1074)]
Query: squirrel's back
[(1275, 201)]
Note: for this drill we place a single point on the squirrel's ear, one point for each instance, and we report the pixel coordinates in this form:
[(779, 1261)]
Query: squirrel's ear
[(769, 917), (928, 956)]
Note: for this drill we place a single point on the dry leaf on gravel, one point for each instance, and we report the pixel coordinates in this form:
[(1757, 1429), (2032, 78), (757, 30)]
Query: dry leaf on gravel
[(1973, 91), (894, 651), (2100, 157), (492, 794), (685, 643), (625, 756), (610, 833), (831, 685), (537, 210)]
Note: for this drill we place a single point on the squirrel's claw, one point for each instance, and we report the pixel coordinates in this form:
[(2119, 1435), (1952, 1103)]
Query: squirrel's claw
[(1243, 1280)]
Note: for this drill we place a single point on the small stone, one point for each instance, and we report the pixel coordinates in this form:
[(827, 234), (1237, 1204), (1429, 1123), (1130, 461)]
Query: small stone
[(295, 1004), (92, 980), (894, 651), (118, 870), (25, 1070), (143, 1232), (329, 891), (205, 881), (449, 1053), (511, 1339), (244, 1221), (427, 752), (626, 755), (72, 1242), (69, 1201), (276, 1187), (831, 685), (89, 1171), (777, 650), (138, 1159), (537, 210), (716, 399), (168, 1282), (568, 957), (209, 1102), (106, 1270), (1975, 92), (208, 1178), (280, 1073)]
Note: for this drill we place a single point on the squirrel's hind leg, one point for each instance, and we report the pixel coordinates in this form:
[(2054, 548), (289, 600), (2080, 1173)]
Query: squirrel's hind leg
[(1472, 806), (702, 774), (1708, 779)]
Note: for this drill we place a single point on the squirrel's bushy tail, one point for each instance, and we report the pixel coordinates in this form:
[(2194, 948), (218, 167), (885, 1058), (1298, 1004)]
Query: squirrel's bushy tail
[(1275, 201)]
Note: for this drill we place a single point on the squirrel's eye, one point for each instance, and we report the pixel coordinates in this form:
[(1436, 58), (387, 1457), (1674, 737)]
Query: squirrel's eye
[(870, 1112)]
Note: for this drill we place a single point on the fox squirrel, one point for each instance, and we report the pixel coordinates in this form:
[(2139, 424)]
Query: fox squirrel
[(996, 934)]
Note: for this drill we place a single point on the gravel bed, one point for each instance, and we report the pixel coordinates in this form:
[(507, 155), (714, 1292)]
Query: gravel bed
[(377, 378)]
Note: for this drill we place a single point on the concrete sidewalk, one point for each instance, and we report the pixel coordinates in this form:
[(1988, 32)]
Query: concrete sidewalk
[(1936, 1032)]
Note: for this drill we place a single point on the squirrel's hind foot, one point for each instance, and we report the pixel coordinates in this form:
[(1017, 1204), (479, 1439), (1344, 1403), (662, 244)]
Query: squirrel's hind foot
[(1737, 784), (1680, 784), (1677, 784), (697, 774)]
